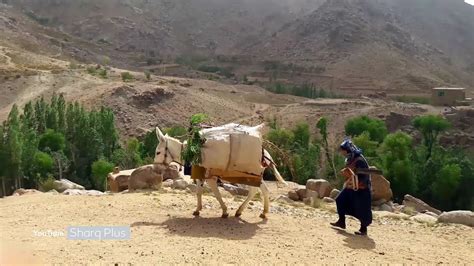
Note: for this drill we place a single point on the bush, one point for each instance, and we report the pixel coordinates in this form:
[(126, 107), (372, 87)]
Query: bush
[(102, 73), (47, 184), (368, 146), (100, 170), (148, 75), (43, 165), (92, 70), (375, 127), (126, 76)]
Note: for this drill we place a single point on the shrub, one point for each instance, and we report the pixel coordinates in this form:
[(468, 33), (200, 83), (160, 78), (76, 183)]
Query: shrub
[(102, 73), (47, 184), (375, 127), (100, 170), (43, 164), (126, 76), (148, 75), (92, 70)]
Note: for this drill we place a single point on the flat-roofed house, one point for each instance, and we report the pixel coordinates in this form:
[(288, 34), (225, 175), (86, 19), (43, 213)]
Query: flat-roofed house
[(447, 96)]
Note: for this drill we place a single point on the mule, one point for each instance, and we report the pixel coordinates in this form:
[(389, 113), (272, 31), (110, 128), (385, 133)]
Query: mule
[(169, 150)]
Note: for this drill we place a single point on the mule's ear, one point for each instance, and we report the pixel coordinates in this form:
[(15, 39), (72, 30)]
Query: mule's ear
[(159, 134)]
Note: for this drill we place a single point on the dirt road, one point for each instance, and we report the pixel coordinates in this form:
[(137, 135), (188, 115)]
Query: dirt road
[(164, 231)]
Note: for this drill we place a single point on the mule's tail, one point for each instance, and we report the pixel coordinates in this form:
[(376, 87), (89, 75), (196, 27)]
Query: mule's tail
[(277, 174)]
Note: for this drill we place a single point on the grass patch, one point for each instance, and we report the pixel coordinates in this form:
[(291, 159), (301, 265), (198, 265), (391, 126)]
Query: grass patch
[(305, 90), (126, 76), (47, 184)]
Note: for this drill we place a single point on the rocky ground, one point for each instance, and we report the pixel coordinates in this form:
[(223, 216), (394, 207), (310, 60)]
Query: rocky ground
[(163, 230)]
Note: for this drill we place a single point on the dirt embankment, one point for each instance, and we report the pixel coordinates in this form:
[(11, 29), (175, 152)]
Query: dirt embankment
[(163, 230)]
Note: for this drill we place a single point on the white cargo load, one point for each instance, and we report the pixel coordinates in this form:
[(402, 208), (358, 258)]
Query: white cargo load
[(233, 147)]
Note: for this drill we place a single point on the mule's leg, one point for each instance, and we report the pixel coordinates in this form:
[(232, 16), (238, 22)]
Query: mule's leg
[(266, 200), (252, 192), (213, 184), (199, 189)]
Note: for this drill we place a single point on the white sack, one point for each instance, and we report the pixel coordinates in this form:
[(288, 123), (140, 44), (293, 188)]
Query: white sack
[(233, 148)]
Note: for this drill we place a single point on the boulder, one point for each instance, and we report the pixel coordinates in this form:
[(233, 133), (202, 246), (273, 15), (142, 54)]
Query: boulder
[(168, 183), (457, 217), (117, 180), (53, 191), (284, 199), (301, 191), (380, 188), (418, 205), (236, 190), (82, 192), (379, 202), (312, 194), (171, 172), (323, 187), (293, 195), (424, 218), (432, 214), (22, 191), (385, 214), (386, 207), (328, 200), (192, 188), (334, 193), (180, 184), (64, 184), (145, 177)]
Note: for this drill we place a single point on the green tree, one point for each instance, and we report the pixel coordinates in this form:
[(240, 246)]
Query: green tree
[(368, 146), (446, 185), (43, 166), (397, 163), (52, 141), (376, 127), (14, 147), (100, 170), (322, 125), (430, 126)]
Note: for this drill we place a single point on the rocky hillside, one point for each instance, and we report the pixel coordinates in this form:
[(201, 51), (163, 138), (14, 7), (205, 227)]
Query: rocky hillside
[(400, 46)]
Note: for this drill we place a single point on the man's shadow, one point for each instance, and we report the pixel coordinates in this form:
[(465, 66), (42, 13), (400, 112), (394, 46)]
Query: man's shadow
[(356, 242), (231, 228)]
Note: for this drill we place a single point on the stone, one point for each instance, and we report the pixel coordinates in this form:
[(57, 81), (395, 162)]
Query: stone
[(301, 191), (323, 187), (192, 188), (22, 192), (379, 202), (334, 193), (328, 200), (386, 207), (82, 192), (293, 195), (171, 172), (380, 188), (432, 214), (312, 194), (236, 190), (225, 193), (385, 214), (457, 217), (284, 199), (145, 177), (424, 218), (53, 191), (64, 184), (168, 183), (180, 184), (418, 205)]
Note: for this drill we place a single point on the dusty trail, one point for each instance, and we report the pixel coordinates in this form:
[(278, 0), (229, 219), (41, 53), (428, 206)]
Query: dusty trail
[(164, 231)]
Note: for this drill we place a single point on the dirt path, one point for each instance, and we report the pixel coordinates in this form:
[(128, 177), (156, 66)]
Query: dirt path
[(164, 231)]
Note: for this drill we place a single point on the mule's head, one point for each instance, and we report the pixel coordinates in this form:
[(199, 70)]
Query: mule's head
[(168, 149)]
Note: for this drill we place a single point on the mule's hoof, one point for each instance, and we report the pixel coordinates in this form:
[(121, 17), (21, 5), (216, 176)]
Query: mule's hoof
[(263, 216), (225, 215), (196, 213), (238, 214)]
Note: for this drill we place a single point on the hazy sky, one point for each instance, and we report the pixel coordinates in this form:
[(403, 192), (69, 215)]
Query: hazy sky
[(470, 2)]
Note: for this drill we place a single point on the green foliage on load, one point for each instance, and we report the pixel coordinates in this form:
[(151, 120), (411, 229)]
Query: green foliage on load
[(192, 152)]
